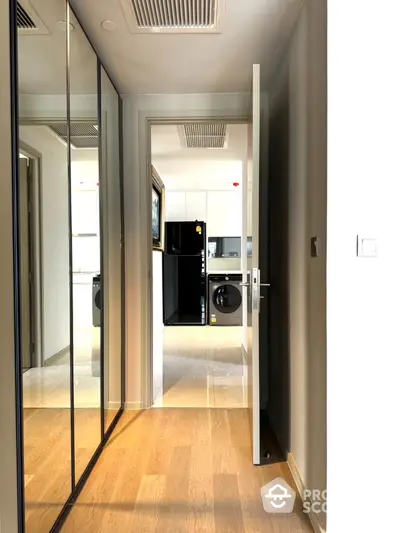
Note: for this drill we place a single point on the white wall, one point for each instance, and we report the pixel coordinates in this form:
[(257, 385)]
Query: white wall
[(138, 267), (363, 293), (303, 68), (55, 241), (158, 326), (8, 432)]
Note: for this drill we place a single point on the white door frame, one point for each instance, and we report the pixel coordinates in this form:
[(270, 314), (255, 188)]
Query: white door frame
[(146, 120)]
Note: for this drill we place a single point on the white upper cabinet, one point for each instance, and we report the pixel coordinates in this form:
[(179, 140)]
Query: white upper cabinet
[(175, 206), (224, 214), (196, 206), (221, 210)]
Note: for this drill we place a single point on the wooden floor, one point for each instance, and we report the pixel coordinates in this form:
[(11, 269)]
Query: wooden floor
[(47, 460), (180, 471)]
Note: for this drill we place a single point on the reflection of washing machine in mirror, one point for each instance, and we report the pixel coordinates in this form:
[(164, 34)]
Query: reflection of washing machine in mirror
[(225, 300), (96, 302)]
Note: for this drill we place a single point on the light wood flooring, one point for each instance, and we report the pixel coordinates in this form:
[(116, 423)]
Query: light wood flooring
[(180, 471), (47, 460)]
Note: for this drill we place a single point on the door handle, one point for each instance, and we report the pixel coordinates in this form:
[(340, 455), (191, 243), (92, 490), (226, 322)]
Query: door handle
[(265, 284), (244, 284)]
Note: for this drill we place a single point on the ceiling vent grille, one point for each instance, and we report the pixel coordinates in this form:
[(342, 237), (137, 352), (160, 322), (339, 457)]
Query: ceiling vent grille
[(204, 135), (24, 20), (82, 134), (28, 21), (173, 16)]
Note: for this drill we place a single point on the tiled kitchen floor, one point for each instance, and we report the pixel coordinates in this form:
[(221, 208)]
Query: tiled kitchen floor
[(203, 367), (49, 386)]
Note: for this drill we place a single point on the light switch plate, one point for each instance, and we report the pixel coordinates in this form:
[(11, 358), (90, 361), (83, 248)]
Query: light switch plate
[(367, 246)]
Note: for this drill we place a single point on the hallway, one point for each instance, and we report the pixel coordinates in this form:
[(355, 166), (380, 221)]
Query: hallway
[(203, 367), (180, 471)]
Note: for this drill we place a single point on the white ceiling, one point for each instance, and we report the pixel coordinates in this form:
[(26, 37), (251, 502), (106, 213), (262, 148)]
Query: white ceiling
[(42, 58), (252, 32), (185, 169)]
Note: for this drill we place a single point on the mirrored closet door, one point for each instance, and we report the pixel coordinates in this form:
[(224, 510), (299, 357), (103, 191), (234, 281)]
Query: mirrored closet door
[(86, 244), (44, 265), (69, 227), (112, 248)]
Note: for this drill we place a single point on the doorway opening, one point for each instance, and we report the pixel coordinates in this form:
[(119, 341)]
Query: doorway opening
[(199, 173)]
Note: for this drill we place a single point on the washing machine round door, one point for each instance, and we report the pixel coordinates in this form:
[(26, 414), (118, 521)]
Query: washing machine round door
[(227, 298), (97, 298)]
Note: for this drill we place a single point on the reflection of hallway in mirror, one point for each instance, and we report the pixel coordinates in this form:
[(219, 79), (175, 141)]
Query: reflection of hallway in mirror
[(47, 413), (203, 367)]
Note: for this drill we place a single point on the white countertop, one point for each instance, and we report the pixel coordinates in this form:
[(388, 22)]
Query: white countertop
[(227, 272)]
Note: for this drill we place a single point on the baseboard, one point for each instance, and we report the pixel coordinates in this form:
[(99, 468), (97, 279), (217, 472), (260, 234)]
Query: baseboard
[(316, 525), (133, 406), (55, 358), (113, 406)]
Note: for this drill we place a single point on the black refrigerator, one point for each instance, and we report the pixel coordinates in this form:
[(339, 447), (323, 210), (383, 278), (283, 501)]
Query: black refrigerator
[(184, 274)]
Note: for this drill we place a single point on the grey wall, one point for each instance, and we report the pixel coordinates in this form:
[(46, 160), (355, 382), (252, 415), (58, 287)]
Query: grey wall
[(8, 485), (298, 94), (111, 243)]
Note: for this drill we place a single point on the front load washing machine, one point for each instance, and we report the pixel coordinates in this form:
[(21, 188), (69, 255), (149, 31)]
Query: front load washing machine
[(225, 299), (96, 301)]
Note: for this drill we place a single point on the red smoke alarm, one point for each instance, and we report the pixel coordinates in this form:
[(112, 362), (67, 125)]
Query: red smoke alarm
[(236, 184)]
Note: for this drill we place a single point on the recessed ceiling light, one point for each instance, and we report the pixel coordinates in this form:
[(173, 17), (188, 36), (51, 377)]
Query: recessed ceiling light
[(62, 25), (109, 25)]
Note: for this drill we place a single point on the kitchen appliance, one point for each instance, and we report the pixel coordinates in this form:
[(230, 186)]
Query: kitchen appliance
[(225, 299), (96, 301), (184, 274), (224, 247), (185, 238)]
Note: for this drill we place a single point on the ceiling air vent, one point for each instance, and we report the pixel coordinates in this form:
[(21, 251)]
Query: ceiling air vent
[(204, 135), (24, 20), (82, 134), (28, 21), (173, 16)]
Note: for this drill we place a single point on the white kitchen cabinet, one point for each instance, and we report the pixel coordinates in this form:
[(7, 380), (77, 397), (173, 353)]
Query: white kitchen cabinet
[(221, 210), (175, 206), (196, 206), (224, 213)]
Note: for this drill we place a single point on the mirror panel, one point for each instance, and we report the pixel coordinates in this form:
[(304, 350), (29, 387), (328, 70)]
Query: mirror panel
[(86, 248), (44, 265), (112, 250), (70, 231)]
